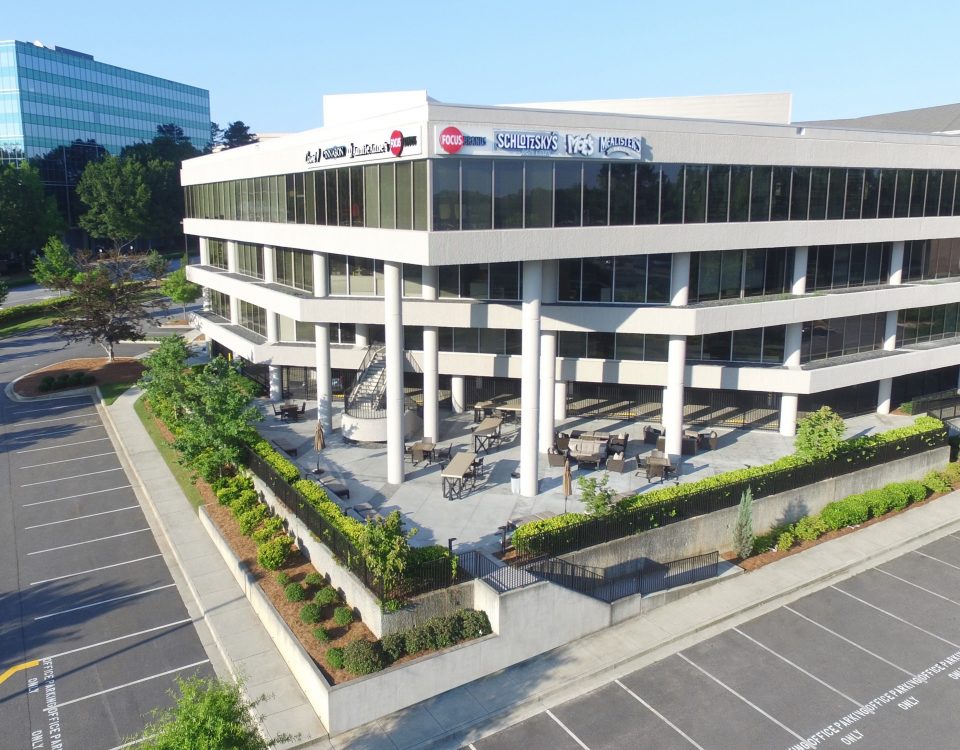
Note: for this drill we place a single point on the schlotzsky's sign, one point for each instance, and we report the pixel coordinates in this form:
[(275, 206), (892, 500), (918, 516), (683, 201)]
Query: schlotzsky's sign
[(406, 141), (451, 139)]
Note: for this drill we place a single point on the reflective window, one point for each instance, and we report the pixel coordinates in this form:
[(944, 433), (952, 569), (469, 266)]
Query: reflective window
[(931, 259), (538, 194), (568, 193), (508, 195), (446, 194), (695, 194), (252, 318), (477, 193), (217, 253), (250, 259), (294, 268), (718, 193), (671, 193), (841, 266)]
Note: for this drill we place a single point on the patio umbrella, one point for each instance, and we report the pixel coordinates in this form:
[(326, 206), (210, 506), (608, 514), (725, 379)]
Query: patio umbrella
[(319, 443), (567, 483)]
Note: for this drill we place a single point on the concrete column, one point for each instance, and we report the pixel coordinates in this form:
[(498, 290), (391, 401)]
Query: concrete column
[(680, 280), (322, 346), (798, 284), (530, 374), (232, 256), (393, 320), (234, 310), (791, 358), (204, 252), (276, 382), (560, 400), (362, 337), (548, 370), (431, 363), (896, 264), (884, 395), (885, 386), (457, 393), (673, 395), (550, 281), (270, 264)]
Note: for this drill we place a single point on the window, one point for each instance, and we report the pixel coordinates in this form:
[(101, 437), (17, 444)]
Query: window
[(538, 194), (294, 268), (217, 253), (446, 194), (252, 318), (718, 193), (219, 303), (250, 259), (671, 193), (695, 194), (477, 193), (568, 190), (508, 195)]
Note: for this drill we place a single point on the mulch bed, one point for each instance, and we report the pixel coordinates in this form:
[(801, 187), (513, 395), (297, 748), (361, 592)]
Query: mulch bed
[(121, 370)]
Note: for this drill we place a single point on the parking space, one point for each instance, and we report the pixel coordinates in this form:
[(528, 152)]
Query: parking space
[(872, 661), (95, 631)]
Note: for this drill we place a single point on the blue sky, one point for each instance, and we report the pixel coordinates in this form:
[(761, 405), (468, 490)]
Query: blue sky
[(269, 63)]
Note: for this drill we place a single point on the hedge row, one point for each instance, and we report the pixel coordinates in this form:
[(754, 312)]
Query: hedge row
[(254, 519), (365, 657), (856, 448), (857, 509), (29, 310)]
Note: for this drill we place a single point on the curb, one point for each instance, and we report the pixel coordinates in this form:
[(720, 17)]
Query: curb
[(585, 682)]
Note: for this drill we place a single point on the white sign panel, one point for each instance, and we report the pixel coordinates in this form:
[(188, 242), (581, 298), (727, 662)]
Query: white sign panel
[(451, 139)]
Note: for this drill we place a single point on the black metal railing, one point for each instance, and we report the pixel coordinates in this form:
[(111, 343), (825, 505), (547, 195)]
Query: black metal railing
[(618, 525), (418, 578), (660, 577)]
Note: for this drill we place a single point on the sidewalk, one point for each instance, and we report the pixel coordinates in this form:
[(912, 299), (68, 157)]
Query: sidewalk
[(246, 647), (485, 706)]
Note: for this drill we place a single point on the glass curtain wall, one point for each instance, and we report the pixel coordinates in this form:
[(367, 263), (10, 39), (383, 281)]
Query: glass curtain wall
[(250, 259), (732, 274), (837, 337), (637, 279), (919, 324), (931, 259), (294, 268), (842, 266)]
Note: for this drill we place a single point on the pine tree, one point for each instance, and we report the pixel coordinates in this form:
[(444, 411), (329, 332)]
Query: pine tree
[(743, 530)]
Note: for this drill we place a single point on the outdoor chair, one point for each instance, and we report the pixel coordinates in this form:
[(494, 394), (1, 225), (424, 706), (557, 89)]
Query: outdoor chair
[(477, 467), (650, 435), (562, 442), (303, 408), (440, 455), (616, 462), (654, 471), (555, 458), (641, 465), (618, 443), (276, 411)]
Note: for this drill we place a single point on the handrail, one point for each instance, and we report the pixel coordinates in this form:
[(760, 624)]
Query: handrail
[(368, 357)]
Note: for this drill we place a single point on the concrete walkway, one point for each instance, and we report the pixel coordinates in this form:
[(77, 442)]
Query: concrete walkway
[(247, 649), (501, 700)]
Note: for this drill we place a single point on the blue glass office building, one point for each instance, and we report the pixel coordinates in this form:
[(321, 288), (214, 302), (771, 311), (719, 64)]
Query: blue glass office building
[(58, 97)]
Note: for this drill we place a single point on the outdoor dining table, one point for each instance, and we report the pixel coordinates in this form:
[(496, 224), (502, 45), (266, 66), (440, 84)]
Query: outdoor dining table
[(481, 408), (487, 434), (454, 477), (421, 450)]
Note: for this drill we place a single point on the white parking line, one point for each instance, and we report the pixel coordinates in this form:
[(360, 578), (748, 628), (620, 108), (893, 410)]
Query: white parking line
[(67, 479), (63, 419), (89, 541), (52, 433), (847, 640), (799, 668), (899, 619), (566, 729), (133, 742), (660, 716), (79, 518), (66, 460), (17, 412), (118, 638), (918, 586), (733, 692), (104, 601), (62, 445), (126, 685), (94, 570), (936, 559), (74, 497)]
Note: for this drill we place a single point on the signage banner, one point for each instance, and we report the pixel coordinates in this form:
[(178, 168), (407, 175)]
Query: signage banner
[(452, 139), (398, 142)]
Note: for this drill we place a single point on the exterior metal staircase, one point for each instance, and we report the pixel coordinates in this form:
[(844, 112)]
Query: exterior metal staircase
[(367, 398)]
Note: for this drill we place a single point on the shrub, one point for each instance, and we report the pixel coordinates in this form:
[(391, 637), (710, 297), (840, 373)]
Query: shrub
[(294, 592), (899, 495), (809, 528), (474, 623), (283, 578), (335, 657), (44, 387), (935, 482), (268, 529), (326, 596), (286, 469), (273, 554), (310, 613), (416, 640), (743, 528), (362, 657), (321, 635), (443, 631), (343, 616), (47, 380), (952, 473), (250, 519), (394, 646), (244, 501), (768, 541), (313, 579), (840, 514), (785, 541)]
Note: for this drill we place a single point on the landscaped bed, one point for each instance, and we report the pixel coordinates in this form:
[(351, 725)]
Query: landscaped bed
[(121, 370)]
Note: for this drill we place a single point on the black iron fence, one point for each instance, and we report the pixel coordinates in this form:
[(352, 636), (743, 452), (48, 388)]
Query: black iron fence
[(419, 577), (617, 525)]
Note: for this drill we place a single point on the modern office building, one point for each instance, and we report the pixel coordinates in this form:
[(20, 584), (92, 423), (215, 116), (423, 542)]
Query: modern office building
[(693, 261), (65, 105)]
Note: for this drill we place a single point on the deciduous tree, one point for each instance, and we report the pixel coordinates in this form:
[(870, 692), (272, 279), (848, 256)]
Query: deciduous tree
[(385, 548), (28, 216), (819, 434), (181, 291), (56, 267), (117, 197)]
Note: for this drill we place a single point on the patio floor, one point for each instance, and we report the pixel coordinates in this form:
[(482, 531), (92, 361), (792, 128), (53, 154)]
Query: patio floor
[(473, 521)]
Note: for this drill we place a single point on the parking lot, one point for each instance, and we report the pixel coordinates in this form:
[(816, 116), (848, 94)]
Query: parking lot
[(94, 629), (872, 662)]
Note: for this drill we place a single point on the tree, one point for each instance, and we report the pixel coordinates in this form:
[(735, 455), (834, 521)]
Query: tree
[(819, 434), (156, 265), (164, 378), (108, 303), (118, 200), (62, 167), (209, 714), (743, 529), (4, 291), (596, 495), (238, 134), (181, 291), (56, 267), (28, 216), (216, 137), (385, 547)]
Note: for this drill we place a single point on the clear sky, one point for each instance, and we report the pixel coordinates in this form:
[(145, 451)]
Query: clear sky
[(269, 63)]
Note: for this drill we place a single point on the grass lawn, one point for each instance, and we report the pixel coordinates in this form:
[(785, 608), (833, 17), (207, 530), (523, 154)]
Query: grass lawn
[(111, 391), (23, 326), (169, 455)]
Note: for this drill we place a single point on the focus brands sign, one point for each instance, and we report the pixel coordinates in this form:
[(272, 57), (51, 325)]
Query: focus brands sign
[(396, 143), (452, 140)]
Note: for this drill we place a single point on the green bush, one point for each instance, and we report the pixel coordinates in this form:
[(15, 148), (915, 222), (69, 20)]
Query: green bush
[(313, 578), (899, 495), (250, 519), (343, 616), (952, 473), (18, 313), (785, 541), (273, 554), (286, 469), (416, 640), (326, 596), (394, 646), (362, 657), (244, 501), (311, 613), (294, 592), (335, 657), (809, 528), (840, 514), (268, 529), (936, 482), (443, 631), (283, 578), (321, 635), (766, 542), (474, 623)]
